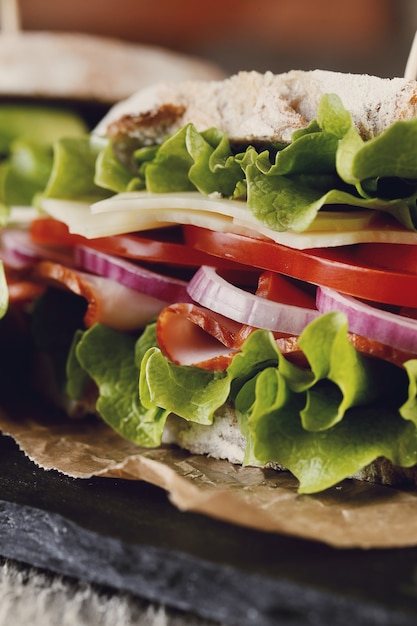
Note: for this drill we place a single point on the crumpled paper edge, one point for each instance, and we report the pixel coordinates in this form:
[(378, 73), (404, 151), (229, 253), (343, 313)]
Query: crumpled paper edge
[(354, 514)]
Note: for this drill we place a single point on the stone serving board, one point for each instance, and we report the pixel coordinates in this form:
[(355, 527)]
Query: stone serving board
[(126, 535)]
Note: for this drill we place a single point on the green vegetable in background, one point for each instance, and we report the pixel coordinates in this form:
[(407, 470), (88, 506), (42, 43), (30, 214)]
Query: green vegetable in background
[(27, 134)]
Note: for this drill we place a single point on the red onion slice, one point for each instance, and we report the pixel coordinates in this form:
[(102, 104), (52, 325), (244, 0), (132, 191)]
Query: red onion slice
[(131, 275), (388, 328), (214, 292), (19, 250)]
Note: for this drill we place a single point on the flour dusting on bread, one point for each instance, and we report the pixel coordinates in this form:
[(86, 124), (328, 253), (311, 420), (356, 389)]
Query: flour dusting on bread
[(256, 107)]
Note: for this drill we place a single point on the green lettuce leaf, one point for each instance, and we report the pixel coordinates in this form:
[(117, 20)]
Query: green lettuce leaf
[(168, 171), (27, 133), (322, 459), (332, 117), (190, 392), (192, 160), (108, 357), (109, 172), (352, 379), (310, 154), (40, 124), (380, 157), (26, 172), (73, 172), (324, 422), (409, 409), (258, 351), (215, 169), (292, 203)]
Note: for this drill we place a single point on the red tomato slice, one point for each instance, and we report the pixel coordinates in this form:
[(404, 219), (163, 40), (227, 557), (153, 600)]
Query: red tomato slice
[(337, 268), (156, 246), (394, 256), (279, 288)]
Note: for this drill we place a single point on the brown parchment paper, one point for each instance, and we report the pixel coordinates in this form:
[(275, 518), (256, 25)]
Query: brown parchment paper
[(354, 514)]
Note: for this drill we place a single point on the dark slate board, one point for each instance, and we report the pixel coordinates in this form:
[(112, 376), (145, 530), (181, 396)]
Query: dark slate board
[(127, 536)]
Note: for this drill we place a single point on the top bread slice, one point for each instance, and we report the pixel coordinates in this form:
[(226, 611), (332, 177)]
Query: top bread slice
[(253, 107)]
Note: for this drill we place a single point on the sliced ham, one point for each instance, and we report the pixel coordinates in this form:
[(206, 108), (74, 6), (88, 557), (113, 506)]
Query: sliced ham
[(23, 291), (189, 334), (108, 302)]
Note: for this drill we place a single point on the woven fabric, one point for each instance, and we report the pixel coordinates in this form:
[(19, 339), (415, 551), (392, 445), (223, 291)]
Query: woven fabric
[(38, 598)]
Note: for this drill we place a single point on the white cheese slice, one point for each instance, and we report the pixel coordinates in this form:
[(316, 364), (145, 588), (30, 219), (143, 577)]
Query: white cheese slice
[(21, 215), (135, 211)]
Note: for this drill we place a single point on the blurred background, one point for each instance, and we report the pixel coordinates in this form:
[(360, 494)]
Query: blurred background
[(369, 36)]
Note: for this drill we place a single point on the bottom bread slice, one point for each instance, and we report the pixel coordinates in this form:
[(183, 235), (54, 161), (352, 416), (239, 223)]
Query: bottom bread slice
[(224, 440)]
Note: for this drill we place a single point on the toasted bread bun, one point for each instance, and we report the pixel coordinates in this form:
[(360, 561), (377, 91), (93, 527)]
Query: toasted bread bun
[(255, 107), (86, 67)]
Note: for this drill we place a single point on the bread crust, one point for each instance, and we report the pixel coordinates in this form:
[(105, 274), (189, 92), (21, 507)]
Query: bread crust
[(263, 108)]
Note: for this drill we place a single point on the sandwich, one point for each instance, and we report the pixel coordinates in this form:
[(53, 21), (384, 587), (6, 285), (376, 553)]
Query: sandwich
[(229, 266)]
